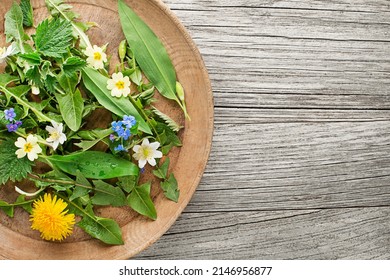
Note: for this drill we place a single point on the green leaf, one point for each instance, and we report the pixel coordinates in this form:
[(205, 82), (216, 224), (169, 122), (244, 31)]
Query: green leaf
[(80, 191), (73, 64), (14, 26), (170, 188), (28, 17), (104, 229), (68, 82), (86, 145), (50, 84), (94, 165), (170, 122), (25, 204), (162, 171), (6, 79), (11, 167), (107, 194), (7, 208), (53, 37), (149, 52), (139, 200), (32, 58), (96, 83), (71, 107), (34, 75), (127, 183)]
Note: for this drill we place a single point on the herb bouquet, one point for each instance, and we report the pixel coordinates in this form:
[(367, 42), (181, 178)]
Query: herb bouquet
[(55, 83)]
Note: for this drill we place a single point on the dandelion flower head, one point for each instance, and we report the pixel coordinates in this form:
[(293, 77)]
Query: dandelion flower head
[(51, 219)]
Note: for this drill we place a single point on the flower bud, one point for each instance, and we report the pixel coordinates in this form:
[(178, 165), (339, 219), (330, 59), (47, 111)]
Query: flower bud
[(122, 50), (180, 91)]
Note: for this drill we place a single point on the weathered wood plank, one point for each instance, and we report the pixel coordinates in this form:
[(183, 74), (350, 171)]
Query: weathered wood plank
[(293, 54), (322, 234), (295, 165)]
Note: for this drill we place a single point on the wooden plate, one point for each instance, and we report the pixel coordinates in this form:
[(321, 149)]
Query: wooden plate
[(18, 241)]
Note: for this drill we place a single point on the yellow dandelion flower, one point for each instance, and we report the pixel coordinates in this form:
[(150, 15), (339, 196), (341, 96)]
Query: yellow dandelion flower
[(51, 219)]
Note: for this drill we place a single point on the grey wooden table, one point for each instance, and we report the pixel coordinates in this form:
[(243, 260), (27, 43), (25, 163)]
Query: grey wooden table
[(300, 163)]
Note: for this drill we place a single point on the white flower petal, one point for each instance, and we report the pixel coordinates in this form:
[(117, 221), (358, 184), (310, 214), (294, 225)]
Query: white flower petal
[(20, 153), (20, 142), (32, 156), (154, 145), (141, 163), (145, 142), (152, 161), (157, 154), (136, 148)]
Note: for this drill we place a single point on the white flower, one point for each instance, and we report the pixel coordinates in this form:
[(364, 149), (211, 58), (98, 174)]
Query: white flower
[(28, 147), (56, 135), (119, 85), (147, 153), (96, 57), (6, 52), (35, 90)]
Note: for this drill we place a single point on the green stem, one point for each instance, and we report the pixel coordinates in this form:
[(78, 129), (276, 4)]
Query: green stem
[(61, 182), (26, 104)]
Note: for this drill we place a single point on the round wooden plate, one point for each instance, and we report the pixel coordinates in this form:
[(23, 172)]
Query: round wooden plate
[(18, 241)]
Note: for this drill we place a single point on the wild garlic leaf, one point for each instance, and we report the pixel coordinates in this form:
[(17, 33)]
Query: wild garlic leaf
[(53, 38), (14, 26), (139, 200), (11, 167), (28, 16), (170, 188)]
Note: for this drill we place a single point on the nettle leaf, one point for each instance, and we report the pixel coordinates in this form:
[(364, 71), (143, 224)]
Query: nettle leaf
[(53, 37), (32, 58), (28, 16), (107, 194), (72, 65), (11, 167), (171, 190), (94, 165), (139, 200)]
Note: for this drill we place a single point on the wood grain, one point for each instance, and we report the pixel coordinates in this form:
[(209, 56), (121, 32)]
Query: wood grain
[(300, 163)]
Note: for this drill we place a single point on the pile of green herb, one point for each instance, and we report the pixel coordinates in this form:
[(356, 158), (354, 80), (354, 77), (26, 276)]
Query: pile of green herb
[(54, 80)]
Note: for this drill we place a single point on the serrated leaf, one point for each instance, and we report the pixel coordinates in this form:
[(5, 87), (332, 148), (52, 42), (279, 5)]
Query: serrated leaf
[(34, 75), (72, 65), (28, 17), (170, 122), (139, 200), (50, 84), (11, 167), (71, 107), (53, 37), (14, 26), (170, 188), (32, 58), (107, 194)]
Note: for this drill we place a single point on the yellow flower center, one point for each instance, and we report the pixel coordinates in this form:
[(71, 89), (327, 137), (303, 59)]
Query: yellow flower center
[(97, 56), (55, 135), (120, 85), (28, 147), (2, 50), (146, 152)]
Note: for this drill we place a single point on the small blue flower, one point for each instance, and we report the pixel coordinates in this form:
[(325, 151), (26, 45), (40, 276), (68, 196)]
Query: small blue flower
[(117, 126), (120, 148), (12, 127), (10, 114), (129, 121), (112, 137), (124, 133)]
